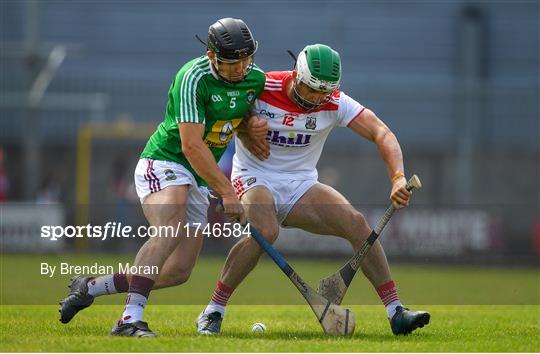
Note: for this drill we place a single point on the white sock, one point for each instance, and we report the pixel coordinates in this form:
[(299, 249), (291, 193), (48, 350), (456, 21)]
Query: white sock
[(213, 307), (102, 286), (391, 308), (133, 311)]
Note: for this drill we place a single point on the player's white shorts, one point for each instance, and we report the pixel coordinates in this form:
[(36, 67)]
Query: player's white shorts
[(152, 176), (286, 192)]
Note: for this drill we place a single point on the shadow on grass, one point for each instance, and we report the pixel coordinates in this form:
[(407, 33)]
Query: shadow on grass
[(307, 335), (92, 331)]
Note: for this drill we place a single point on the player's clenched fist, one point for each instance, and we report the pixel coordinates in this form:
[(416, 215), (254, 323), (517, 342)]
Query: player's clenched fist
[(400, 195), (233, 209), (257, 128)]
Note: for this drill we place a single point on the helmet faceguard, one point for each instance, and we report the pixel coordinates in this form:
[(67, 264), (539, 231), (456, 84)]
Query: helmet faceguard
[(319, 67), (221, 65)]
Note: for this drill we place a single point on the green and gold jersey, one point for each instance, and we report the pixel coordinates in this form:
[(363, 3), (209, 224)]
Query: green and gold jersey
[(197, 95)]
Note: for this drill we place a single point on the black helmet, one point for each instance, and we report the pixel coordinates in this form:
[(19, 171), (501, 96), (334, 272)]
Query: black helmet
[(231, 39)]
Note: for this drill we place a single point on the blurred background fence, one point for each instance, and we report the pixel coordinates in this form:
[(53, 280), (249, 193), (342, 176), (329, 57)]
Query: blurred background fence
[(457, 81)]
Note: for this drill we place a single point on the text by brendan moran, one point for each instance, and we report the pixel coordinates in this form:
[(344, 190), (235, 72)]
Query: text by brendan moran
[(64, 268)]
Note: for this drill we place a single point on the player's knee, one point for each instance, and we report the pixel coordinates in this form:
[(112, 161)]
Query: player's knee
[(270, 232), (360, 220), (358, 227)]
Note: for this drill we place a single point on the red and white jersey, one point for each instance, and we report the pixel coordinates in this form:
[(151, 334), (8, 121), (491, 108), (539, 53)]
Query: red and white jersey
[(296, 137)]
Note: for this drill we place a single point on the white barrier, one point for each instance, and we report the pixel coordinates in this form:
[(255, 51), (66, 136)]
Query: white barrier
[(444, 233), (20, 227)]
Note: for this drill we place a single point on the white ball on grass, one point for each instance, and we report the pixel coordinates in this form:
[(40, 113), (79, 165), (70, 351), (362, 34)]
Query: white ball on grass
[(258, 327)]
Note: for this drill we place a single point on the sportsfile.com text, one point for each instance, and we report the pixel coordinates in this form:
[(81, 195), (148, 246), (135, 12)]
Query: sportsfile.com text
[(118, 230)]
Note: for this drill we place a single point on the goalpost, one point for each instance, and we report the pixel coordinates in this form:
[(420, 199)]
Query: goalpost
[(90, 134)]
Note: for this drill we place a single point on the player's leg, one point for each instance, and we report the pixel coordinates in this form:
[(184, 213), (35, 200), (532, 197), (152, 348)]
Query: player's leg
[(165, 188), (178, 267), (175, 271), (162, 209), (323, 210), (242, 258), (245, 254)]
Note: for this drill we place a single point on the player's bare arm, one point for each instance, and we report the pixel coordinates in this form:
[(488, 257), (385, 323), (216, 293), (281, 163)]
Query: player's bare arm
[(203, 162), (369, 126)]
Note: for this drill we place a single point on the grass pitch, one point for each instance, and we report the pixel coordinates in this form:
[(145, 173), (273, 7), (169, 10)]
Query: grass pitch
[(291, 328), (473, 309)]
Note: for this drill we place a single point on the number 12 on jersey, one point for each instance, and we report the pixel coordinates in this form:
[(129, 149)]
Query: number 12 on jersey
[(288, 121)]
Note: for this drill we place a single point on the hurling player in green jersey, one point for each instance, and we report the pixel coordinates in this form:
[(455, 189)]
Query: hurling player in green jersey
[(208, 100)]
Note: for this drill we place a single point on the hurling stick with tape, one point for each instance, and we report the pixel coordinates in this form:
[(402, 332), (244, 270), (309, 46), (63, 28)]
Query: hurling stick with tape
[(334, 319), (334, 287)]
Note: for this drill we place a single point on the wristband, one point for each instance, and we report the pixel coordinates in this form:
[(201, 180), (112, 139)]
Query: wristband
[(397, 175)]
